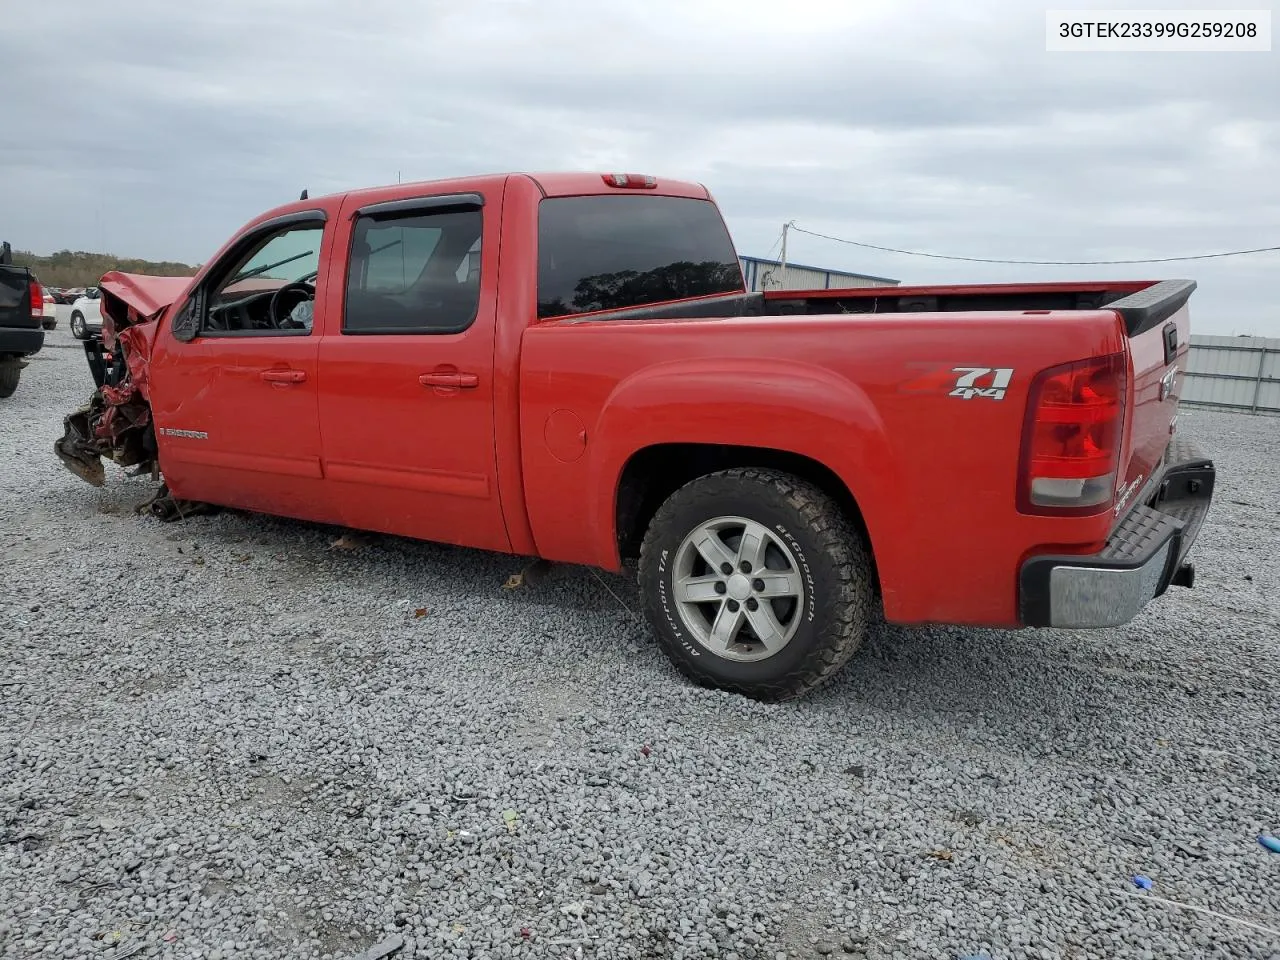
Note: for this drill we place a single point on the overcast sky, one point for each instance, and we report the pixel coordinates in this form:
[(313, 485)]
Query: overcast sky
[(153, 128)]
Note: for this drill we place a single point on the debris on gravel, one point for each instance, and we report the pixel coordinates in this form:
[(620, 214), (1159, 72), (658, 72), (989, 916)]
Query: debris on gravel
[(220, 738)]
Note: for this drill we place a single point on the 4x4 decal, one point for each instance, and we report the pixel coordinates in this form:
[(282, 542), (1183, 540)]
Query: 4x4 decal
[(967, 386), (964, 383)]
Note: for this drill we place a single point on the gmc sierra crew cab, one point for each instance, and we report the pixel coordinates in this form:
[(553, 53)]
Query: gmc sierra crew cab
[(21, 320), (567, 366)]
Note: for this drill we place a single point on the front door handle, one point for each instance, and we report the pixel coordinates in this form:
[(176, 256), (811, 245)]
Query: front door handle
[(464, 380), (284, 376)]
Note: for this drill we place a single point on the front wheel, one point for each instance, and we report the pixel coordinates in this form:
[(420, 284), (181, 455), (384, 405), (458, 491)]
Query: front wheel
[(77, 326), (756, 582)]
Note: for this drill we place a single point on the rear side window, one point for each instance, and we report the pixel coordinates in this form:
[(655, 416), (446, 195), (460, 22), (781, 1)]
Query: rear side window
[(415, 272), (613, 252)]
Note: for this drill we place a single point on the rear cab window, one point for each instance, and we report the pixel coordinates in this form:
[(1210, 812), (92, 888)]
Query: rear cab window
[(612, 252)]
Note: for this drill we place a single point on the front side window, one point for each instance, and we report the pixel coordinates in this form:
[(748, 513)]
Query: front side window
[(616, 251), (414, 272), (269, 287)]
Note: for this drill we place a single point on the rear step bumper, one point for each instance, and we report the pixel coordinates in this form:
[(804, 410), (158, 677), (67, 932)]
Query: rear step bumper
[(21, 340), (1143, 557)]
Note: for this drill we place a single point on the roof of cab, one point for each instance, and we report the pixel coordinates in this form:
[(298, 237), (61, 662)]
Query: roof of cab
[(552, 184), (578, 183)]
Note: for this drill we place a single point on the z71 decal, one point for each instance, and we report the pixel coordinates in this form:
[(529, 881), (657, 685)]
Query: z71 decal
[(967, 385)]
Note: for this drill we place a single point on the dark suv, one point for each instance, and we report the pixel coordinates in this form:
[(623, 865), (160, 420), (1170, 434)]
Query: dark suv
[(21, 319)]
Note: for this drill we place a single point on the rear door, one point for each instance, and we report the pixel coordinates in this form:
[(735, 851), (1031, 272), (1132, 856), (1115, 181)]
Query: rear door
[(406, 367)]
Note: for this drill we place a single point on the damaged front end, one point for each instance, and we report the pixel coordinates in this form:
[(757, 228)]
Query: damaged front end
[(116, 423)]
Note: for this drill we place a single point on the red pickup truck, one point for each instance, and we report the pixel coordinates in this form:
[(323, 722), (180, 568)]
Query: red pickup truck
[(568, 366)]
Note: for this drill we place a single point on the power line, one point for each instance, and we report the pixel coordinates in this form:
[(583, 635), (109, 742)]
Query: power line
[(775, 246), (1041, 263)]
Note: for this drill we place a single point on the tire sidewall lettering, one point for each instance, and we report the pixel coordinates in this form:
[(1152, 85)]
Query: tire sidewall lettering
[(664, 601), (810, 587)]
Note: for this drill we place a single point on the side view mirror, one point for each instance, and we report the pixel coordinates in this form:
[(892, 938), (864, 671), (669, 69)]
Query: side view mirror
[(186, 322)]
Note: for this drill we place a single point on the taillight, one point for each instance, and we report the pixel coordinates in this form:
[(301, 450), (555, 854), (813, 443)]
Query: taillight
[(37, 300), (1071, 443)]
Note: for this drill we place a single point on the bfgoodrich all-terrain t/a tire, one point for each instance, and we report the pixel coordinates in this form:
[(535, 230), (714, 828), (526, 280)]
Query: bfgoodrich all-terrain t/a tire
[(756, 582)]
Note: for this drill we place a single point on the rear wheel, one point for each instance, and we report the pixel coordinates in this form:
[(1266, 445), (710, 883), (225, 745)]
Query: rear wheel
[(9, 376), (77, 325), (755, 581)]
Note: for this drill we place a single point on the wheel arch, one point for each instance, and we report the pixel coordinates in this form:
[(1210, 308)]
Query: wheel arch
[(652, 474), (670, 422)]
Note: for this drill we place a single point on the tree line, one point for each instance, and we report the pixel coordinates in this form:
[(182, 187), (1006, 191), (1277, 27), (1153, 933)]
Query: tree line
[(79, 268)]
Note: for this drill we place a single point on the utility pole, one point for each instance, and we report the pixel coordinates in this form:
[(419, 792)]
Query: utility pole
[(783, 270)]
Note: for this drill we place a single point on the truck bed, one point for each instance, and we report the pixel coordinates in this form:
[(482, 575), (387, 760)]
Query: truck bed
[(883, 362), (1141, 304)]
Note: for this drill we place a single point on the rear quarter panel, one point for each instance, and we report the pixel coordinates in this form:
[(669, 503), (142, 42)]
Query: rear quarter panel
[(934, 475)]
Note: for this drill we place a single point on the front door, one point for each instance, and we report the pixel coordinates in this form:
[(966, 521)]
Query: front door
[(234, 391), (406, 406)]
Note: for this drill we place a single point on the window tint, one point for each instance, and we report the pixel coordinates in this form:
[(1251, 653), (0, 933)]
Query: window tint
[(414, 273), (611, 252)]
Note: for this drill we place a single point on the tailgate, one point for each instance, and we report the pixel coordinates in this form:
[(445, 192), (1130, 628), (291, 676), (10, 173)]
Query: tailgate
[(1158, 325), (15, 299)]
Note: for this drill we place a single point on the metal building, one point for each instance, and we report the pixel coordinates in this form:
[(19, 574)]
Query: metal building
[(767, 275), (1233, 373)]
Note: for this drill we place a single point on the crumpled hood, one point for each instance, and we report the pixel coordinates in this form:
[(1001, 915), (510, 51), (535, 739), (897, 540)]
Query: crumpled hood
[(145, 296)]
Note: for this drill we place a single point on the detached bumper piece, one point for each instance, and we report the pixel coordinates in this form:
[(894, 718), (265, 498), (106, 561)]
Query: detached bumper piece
[(1144, 556)]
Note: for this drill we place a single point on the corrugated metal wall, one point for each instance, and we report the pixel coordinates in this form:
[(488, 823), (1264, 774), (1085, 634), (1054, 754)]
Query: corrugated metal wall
[(757, 272), (1233, 373)]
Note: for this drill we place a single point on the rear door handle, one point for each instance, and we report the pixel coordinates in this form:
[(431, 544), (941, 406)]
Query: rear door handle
[(284, 376), (464, 380)]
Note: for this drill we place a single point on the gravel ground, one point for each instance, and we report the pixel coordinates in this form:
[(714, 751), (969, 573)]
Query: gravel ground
[(224, 738)]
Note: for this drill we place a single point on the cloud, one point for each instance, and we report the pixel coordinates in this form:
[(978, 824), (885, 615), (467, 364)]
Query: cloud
[(157, 129)]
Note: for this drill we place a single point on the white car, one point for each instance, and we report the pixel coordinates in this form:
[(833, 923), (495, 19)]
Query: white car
[(50, 318), (86, 314)]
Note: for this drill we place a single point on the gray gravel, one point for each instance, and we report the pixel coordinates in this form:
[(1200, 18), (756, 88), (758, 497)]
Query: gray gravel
[(225, 739)]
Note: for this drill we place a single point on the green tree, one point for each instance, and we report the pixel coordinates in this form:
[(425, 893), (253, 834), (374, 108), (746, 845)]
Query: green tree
[(81, 268)]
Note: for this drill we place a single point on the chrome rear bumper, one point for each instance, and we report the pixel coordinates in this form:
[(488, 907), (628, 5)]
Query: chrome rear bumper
[(1144, 556)]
